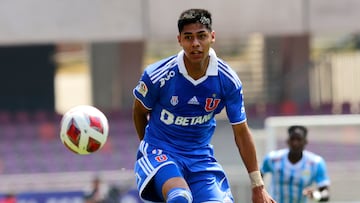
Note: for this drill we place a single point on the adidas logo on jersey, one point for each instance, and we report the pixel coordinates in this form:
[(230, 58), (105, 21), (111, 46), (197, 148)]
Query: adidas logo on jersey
[(193, 100)]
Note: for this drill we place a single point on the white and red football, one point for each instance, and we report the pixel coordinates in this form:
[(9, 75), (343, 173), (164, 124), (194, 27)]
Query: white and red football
[(84, 129)]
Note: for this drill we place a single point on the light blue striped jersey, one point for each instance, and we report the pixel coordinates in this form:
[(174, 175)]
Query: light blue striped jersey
[(289, 180), (183, 109)]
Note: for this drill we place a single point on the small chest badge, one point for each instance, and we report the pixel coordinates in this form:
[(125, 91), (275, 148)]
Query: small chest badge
[(174, 100)]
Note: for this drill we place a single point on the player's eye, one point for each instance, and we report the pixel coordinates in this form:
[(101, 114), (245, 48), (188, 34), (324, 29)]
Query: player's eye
[(202, 36), (188, 37)]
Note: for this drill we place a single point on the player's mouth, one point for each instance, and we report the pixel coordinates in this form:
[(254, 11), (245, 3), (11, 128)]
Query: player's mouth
[(196, 54)]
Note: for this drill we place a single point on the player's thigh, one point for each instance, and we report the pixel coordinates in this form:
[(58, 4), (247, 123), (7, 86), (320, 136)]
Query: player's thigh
[(155, 171), (210, 186)]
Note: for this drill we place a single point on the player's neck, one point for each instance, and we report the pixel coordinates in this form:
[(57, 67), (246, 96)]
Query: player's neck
[(294, 157), (196, 70)]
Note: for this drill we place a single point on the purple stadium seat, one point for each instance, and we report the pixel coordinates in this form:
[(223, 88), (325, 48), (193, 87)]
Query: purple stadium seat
[(346, 108), (326, 108), (8, 132), (272, 109), (22, 117), (307, 109)]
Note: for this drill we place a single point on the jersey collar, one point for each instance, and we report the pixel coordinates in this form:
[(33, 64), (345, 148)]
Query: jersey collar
[(212, 69)]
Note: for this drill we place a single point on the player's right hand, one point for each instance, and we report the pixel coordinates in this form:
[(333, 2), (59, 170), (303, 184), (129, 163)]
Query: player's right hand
[(260, 195)]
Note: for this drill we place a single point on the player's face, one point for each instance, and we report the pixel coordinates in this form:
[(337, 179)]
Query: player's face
[(196, 40), (296, 143)]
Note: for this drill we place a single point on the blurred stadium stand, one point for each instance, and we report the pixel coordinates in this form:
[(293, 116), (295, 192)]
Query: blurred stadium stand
[(33, 159), (30, 144)]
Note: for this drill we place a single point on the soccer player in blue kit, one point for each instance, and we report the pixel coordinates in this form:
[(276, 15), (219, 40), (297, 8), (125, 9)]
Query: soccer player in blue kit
[(175, 103), (294, 170)]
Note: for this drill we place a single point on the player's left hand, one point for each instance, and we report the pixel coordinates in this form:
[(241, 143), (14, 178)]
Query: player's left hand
[(307, 192), (260, 195)]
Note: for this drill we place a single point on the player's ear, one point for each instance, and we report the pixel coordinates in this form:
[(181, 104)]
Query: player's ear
[(179, 39), (212, 36)]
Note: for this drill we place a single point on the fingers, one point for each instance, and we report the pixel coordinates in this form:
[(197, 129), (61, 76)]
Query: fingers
[(272, 201)]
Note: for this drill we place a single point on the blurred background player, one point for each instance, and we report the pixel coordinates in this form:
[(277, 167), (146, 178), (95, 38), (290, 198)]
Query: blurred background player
[(294, 171), (174, 112), (97, 192)]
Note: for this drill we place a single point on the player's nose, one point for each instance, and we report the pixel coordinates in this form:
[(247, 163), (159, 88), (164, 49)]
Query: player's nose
[(195, 42)]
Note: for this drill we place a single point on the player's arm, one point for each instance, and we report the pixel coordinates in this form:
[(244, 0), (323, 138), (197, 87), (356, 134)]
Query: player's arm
[(246, 147), (321, 193), (140, 118)]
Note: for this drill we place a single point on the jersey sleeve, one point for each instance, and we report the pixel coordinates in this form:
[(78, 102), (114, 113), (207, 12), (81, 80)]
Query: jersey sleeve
[(321, 177), (266, 165), (145, 91), (235, 106)]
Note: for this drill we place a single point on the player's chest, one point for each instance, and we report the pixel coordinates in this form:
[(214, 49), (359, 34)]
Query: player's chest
[(180, 93), (294, 173)]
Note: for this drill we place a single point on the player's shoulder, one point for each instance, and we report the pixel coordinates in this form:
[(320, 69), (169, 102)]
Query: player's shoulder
[(278, 154), (227, 74), (225, 68), (313, 156), (162, 65), (164, 68)]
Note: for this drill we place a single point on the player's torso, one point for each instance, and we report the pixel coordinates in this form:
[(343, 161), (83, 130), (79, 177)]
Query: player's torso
[(185, 102), (290, 179), (184, 113), (299, 173)]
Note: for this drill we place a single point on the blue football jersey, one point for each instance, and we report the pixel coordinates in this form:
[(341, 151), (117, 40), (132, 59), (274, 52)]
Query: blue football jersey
[(289, 180), (183, 109)]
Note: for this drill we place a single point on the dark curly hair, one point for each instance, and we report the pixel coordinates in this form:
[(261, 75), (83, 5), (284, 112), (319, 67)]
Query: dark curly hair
[(195, 16), (297, 129)]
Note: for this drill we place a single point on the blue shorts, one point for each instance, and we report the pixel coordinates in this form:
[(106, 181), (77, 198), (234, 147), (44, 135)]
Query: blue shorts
[(204, 175)]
